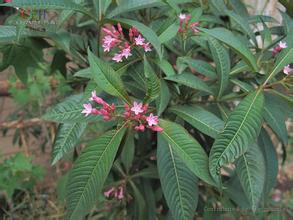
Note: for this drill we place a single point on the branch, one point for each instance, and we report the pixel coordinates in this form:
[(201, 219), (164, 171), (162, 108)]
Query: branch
[(20, 123)]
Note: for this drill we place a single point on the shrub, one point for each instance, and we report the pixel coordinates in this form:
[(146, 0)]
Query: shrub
[(183, 96)]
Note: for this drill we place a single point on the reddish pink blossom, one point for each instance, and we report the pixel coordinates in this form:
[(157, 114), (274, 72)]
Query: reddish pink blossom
[(120, 194), (194, 27), (147, 47), (152, 120), (140, 127), (182, 17), (87, 109), (97, 99), (109, 42), (108, 193), (280, 46), (120, 28), (156, 128), (139, 41), (117, 57), (287, 69), (126, 52), (137, 108)]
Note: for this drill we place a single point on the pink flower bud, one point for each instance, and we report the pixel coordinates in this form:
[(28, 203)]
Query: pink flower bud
[(120, 193), (156, 128), (108, 193), (141, 127)]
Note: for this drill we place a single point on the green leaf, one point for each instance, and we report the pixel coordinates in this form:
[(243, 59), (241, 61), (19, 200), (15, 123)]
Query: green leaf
[(239, 8), (23, 57), (243, 24), (133, 5), (250, 168), (179, 184), (241, 129), (68, 111), (201, 119), (188, 149), (128, 151), (169, 33), (7, 33), (191, 81), (101, 7), (90, 172), (67, 137), (153, 84), (106, 78), (200, 66), (147, 32), (276, 118), (233, 42), (164, 98), (47, 4), (271, 161), (166, 67), (139, 204), (84, 73), (222, 60)]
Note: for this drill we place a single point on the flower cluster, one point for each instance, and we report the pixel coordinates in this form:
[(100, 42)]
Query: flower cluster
[(114, 38), (184, 24), (280, 46), (117, 193), (107, 111), (287, 69), (136, 114)]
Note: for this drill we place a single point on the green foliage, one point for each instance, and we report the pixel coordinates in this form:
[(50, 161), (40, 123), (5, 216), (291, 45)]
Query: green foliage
[(188, 149), (90, 172), (18, 173), (106, 78), (200, 119), (241, 129), (251, 171), (67, 137), (178, 182), (218, 93)]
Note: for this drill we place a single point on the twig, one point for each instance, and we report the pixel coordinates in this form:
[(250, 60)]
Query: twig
[(20, 123)]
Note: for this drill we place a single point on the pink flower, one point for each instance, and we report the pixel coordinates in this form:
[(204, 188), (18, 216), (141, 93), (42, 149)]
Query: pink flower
[(194, 27), (117, 57), (120, 28), (87, 109), (109, 42), (152, 120), (108, 193), (133, 32), (182, 16), (156, 128), (120, 193), (126, 52), (139, 41), (282, 45), (96, 98), (141, 127), (287, 69), (147, 47), (137, 108)]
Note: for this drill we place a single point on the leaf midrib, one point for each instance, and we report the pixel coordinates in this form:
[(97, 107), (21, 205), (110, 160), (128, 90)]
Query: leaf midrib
[(238, 130), (177, 179), (196, 119), (249, 180), (106, 148)]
